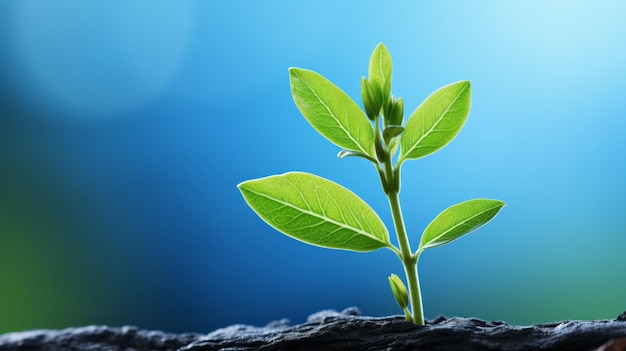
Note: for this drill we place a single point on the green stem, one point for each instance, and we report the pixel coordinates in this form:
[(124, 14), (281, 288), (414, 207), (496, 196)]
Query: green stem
[(390, 179), (409, 262)]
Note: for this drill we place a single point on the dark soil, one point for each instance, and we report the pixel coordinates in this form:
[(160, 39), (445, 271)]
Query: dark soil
[(330, 330)]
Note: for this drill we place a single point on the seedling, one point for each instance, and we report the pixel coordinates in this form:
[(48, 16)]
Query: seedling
[(322, 213)]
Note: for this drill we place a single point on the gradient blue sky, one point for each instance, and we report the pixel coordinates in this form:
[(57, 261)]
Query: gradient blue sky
[(125, 127)]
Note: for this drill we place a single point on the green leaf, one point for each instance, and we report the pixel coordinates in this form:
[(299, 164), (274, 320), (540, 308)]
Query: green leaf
[(347, 153), (459, 220), (379, 71), (316, 211), (331, 112), (391, 132), (436, 121)]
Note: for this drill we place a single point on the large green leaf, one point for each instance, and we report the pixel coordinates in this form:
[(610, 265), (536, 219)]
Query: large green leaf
[(379, 71), (331, 111), (436, 121), (316, 211), (459, 220)]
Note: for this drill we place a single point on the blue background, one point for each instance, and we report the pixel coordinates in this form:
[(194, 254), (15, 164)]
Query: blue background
[(125, 127)]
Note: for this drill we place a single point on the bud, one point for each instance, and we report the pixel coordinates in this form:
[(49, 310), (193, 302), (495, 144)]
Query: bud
[(389, 103), (399, 291), (371, 99), (397, 112)]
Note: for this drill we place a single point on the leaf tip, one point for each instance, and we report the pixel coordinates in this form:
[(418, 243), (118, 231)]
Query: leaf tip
[(465, 83), (499, 202), (295, 70), (380, 45), (245, 184)]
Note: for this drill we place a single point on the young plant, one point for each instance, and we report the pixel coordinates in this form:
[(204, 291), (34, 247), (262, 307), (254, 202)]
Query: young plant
[(322, 213)]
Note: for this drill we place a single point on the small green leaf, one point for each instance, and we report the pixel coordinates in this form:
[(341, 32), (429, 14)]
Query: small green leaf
[(316, 211), (347, 153), (459, 220), (391, 132), (436, 121), (331, 112), (379, 71)]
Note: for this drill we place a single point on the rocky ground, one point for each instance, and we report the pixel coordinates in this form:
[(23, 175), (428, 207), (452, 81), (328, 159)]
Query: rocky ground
[(346, 330)]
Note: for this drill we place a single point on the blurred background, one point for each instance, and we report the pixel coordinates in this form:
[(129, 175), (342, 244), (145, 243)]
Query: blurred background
[(126, 126)]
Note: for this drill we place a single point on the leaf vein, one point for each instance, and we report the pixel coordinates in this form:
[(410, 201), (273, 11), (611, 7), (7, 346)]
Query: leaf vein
[(316, 215)]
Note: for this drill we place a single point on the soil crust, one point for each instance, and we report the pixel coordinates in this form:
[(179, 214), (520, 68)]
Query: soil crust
[(331, 330)]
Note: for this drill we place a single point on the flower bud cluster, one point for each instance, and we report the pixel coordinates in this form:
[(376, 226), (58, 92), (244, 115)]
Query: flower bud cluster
[(377, 100)]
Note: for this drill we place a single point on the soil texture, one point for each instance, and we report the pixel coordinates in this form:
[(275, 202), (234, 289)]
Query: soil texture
[(331, 330)]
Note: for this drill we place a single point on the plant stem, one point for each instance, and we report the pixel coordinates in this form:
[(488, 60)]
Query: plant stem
[(409, 262), (390, 179)]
